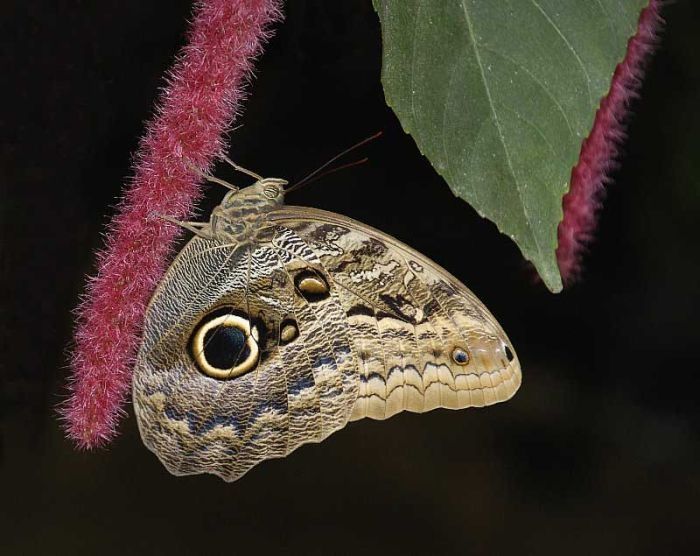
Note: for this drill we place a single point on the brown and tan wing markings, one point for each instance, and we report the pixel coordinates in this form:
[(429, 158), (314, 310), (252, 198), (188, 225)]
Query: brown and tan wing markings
[(350, 323), (311, 382), (302, 394), (329, 338), (401, 285), (370, 347)]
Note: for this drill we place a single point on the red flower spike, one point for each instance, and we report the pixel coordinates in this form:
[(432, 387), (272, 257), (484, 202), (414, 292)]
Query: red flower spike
[(600, 149), (204, 93)]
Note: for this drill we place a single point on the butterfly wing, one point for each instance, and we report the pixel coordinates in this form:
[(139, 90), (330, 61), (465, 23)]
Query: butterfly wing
[(420, 338), (300, 387), (251, 350)]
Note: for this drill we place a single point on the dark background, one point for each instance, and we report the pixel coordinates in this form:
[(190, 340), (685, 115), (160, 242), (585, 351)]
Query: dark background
[(599, 452)]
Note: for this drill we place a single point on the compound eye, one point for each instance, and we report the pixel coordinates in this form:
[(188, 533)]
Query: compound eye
[(225, 346), (271, 191)]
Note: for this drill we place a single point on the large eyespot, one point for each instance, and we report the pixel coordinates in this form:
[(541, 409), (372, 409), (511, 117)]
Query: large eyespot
[(312, 285), (225, 346)]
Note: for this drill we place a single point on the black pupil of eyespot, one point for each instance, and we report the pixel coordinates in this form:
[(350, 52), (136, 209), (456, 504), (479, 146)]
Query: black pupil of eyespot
[(225, 347), (460, 357), (509, 354)]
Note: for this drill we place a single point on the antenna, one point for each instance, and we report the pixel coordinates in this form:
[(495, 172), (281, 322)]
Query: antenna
[(315, 174)]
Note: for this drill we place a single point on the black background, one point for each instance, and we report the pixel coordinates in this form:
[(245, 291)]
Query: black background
[(598, 453)]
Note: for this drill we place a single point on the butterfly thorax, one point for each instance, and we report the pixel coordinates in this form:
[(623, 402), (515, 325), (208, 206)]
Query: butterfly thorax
[(242, 213)]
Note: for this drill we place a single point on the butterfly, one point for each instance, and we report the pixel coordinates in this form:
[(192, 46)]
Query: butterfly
[(277, 325)]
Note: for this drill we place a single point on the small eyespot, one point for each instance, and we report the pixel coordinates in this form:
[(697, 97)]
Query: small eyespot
[(311, 285), (271, 191), (288, 331), (509, 353), (460, 356), (225, 346)]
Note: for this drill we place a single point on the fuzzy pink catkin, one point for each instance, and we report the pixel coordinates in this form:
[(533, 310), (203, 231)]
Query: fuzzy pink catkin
[(204, 92), (600, 149)]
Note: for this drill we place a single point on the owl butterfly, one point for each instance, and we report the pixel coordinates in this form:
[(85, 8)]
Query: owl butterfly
[(276, 325)]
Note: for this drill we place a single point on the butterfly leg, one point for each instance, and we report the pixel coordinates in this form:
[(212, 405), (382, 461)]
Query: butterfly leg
[(240, 168), (212, 179), (200, 229)]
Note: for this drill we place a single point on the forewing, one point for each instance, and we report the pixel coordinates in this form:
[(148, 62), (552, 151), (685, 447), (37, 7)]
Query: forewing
[(295, 394)]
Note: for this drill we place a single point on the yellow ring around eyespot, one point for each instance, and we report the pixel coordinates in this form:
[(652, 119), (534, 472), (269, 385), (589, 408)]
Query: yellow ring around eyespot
[(252, 338)]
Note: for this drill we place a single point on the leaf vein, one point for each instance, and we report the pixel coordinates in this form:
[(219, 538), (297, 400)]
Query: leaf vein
[(539, 83), (533, 126), (413, 65), (498, 126), (569, 46)]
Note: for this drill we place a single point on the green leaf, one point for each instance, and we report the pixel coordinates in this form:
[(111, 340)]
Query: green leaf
[(499, 94)]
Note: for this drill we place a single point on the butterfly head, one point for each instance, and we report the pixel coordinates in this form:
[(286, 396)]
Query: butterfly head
[(264, 194)]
